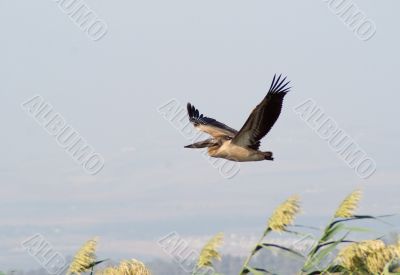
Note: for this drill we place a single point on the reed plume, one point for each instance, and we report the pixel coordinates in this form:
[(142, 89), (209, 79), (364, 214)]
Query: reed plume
[(126, 267), (210, 251), (349, 205), (84, 258), (284, 215), (369, 256)]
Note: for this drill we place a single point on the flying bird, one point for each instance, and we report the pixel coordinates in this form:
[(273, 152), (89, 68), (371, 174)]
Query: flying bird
[(242, 145)]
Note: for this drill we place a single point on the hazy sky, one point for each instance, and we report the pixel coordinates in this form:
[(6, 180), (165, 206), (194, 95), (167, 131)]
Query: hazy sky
[(219, 55)]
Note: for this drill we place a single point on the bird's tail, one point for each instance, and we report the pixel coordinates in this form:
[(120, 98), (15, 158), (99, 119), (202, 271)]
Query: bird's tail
[(268, 155)]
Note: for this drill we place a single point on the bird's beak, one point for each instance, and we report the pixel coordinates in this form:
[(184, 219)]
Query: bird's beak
[(201, 144)]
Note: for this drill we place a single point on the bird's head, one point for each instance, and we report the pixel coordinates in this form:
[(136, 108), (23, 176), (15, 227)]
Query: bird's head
[(205, 143)]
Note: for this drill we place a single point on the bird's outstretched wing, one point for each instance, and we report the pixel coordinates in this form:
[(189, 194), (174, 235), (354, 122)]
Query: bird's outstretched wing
[(263, 116), (209, 125)]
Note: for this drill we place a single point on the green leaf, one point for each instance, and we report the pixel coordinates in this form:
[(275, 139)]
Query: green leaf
[(359, 229), (96, 263), (258, 247), (257, 271), (332, 231), (268, 245), (321, 245), (362, 217), (318, 257)]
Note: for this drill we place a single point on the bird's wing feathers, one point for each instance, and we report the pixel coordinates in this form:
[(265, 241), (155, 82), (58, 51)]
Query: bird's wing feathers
[(263, 116), (209, 125)]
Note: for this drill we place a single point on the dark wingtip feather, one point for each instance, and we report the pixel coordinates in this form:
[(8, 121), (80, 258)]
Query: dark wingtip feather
[(286, 90), (278, 85), (192, 112), (189, 109), (194, 115), (276, 82), (272, 83)]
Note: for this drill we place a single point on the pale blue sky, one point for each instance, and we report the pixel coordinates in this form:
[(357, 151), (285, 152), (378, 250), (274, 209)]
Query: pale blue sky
[(219, 55)]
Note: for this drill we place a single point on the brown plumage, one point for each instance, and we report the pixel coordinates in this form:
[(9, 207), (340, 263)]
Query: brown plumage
[(242, 145)]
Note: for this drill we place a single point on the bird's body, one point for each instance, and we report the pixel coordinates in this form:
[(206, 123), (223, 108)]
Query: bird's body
[(231, 151), (241, 145)]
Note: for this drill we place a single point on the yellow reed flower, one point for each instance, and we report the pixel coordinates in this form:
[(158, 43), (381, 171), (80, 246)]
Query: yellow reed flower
[(349, 205), (126, 267), (284, 215), (84, 258), (368, 256), (210, 252)]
